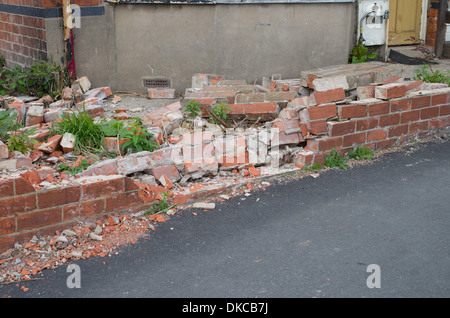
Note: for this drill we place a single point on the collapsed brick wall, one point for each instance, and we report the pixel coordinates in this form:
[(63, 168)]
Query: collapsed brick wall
[(26, 211), (23, 36), (393, 118)]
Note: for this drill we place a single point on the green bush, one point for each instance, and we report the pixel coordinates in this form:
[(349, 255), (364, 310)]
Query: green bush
[(88, 134), (361, 153), (433, 76), (40, 79), (335, 160)]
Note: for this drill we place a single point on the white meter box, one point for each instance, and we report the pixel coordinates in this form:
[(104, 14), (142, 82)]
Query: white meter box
[(372, 18)]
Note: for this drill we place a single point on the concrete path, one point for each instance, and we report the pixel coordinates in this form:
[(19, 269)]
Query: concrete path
[(313, 237)]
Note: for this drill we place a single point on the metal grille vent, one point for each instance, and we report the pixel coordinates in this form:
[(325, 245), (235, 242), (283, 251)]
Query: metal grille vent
[(156, 82)]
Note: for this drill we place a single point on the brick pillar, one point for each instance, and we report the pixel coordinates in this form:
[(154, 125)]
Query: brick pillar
[(22, 28), (432, 23)]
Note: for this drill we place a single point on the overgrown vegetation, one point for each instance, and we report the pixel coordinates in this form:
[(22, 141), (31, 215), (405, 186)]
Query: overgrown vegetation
[(361, 153), (40, 79), (88, 134), (137, 138), (74, 169), (21, 141), (192, 108), (359, 54), (221, 111), (162, 206), (15, 141), (335, 160), (427, 74)]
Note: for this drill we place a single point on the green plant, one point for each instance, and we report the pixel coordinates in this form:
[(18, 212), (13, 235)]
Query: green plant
[(221, 110), (335, 160), (21, 141), (192, 109), (435, 76), (40, 79), (315, 166), (8, 123), (361, 153), (359, 53), (162, 206), (138, 138), (88, 134), (73, 170)]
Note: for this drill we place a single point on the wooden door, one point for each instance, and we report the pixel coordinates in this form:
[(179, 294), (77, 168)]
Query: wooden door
[(404, 20)]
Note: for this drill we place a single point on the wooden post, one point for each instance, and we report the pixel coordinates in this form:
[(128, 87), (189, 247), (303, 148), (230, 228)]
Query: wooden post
[(440, 34)]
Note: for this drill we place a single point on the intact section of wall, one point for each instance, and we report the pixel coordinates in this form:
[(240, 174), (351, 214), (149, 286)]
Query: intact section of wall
[(249, 41), (26, 212)]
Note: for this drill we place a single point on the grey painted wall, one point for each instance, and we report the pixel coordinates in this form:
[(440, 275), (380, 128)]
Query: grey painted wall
[(241, 41)]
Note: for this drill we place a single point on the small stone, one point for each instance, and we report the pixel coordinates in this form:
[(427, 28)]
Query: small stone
[(94, 236), (225, 197), (204, 206), (76, 254), (98, 230), (62, 239), (69, 233)]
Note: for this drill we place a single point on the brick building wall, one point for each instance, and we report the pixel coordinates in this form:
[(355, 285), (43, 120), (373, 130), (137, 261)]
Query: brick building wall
[(23, 35)]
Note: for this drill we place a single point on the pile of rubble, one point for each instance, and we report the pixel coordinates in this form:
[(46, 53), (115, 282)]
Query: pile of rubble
[(277, 126)]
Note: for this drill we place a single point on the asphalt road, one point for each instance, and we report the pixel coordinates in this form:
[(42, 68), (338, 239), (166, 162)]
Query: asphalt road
[(306, 238)]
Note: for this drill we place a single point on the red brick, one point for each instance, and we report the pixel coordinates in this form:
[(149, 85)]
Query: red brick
[(156, 93), (386, 143), (282, 138), (40, 218), (409, 116), (379, 109), (169, 171), (444, 110), (17, 204), (23, 186), (400, 105), (323, 144), (414, 86), (440, 99), (391, 80), (354, 139), (322, 112), (127, 200), (341, 128), (353, 111), (83, 209), (389, 91), (439, 122), (237, 109), (376, 134), (99, 189), (7, 226), (418, 126), (399, 130), (286, 124), (420, 102), (367, 123), (329, 96), (6, 188), (60, 196), (303, 159), (266, 111), (318, 127), (429, 112), (389, 120)]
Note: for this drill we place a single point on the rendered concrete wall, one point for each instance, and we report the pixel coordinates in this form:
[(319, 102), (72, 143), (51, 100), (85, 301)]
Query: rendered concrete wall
[(244, 41)]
